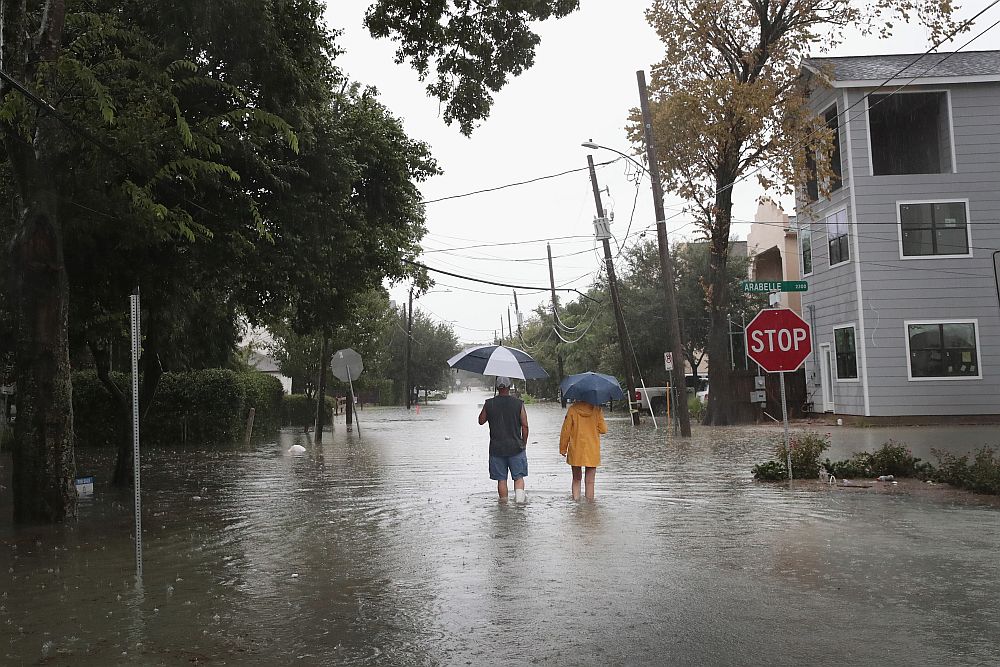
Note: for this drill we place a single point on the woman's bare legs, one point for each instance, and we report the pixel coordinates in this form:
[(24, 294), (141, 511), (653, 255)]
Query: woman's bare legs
[(591, 474), (577, 476)]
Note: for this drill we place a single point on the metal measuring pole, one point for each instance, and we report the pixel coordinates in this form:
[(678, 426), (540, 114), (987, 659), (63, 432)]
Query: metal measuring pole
[(135, 313), (784, 418)]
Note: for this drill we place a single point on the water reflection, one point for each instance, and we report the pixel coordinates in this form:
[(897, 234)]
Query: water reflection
[(392, 549)]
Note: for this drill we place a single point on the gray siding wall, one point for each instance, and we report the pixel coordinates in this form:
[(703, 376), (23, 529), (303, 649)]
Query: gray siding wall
[(898, 290), (832, 297)]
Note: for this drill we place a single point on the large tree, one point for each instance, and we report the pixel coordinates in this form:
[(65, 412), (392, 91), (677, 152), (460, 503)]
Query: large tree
[(728, 104), (162, 121)]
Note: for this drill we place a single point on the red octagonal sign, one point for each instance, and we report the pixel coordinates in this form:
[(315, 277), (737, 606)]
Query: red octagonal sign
[(778, 339)]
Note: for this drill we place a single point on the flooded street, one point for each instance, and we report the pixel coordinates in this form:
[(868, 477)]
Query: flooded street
[(393, 549)]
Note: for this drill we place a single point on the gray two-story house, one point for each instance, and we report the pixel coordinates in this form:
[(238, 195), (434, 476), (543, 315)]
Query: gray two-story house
[(900, 257)]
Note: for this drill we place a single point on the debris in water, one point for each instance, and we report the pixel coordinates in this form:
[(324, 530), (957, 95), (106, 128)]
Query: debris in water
[(296, 449)]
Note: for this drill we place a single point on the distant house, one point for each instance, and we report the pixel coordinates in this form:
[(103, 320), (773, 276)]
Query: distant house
[(900, 257), (774, 249), (266, 364)]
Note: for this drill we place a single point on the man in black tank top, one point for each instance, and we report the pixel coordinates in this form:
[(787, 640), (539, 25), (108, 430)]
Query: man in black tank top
[(508, 439)]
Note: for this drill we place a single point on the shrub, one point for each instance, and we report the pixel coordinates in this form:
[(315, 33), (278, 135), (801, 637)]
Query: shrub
[(300, 410), (696, 409), (806, 449), (95, 422), (982, 476), (771, 471), (846, 469), (263, 393), (892, 458)]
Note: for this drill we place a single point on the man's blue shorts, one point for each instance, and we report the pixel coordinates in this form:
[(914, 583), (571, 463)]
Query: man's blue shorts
[(517, 464)]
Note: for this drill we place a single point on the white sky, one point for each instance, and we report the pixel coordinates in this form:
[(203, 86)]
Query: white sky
[(581, 87)]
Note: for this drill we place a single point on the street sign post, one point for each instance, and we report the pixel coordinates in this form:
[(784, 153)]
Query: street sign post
[(779, 341), (774, 285), (345, 366)]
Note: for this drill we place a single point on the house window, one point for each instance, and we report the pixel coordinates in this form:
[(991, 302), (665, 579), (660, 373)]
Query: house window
[(812, 177), (934, 228), (806, 242), (833, 122), (847, 353), (836, 233), (910, 133), (943, 349)]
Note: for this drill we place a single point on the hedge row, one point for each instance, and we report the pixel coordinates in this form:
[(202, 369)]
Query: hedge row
[(300, 410), (209, 406)]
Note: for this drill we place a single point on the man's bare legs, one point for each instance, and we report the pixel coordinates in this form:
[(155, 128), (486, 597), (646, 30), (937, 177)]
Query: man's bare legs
[(577, 476), (591, 474), (502, 487)]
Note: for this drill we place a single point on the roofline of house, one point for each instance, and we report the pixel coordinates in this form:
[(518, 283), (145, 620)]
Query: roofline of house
[(905, 80)]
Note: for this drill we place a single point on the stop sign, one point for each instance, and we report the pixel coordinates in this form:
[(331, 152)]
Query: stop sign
[(778, 339)]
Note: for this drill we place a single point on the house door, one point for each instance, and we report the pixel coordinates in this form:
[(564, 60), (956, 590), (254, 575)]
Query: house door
[(826, 376)]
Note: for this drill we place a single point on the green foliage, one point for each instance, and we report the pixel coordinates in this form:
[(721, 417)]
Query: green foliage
[(471, 47), (892, 458), (95, 420), (770, 471), (264, 393), (211, 405), (981, 476), (695, 408), (806, 450), (300, 410), (528, 398)]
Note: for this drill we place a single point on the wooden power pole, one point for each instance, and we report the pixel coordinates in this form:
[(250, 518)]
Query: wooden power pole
[(613, 288), (555, 325)]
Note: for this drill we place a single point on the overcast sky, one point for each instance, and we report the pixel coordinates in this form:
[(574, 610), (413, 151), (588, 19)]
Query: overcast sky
[(581, 87)]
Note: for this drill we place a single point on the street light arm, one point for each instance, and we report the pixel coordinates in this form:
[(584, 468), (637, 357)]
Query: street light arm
[(592, 146)]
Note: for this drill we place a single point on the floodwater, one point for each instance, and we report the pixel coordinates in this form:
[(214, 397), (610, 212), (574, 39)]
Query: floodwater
[(392, 549)]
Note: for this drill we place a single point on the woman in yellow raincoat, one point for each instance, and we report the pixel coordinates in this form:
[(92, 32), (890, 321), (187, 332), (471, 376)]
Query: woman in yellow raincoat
[(580, 443)]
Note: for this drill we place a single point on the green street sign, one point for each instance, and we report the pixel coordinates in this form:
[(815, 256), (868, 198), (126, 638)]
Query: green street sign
[(774, 285)]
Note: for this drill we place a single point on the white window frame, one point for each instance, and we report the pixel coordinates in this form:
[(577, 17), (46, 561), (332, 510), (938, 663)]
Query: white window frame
[(807, 227), (943, 200), (857, 356), (850, 250), (951, 128), (979, 350)]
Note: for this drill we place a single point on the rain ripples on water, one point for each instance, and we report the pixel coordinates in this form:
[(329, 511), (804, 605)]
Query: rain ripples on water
[(393, 549)]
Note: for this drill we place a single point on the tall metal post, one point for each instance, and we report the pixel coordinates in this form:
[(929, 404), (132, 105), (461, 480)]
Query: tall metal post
[(136, 477), (409, 342), (784, 418), (616, 304), (666, 265), (555, 316)]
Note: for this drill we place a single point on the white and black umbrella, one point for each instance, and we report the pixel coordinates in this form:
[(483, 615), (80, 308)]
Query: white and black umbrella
[(498, 360)]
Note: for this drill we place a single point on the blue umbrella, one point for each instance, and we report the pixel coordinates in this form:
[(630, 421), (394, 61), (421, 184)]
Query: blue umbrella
[(594, 388)]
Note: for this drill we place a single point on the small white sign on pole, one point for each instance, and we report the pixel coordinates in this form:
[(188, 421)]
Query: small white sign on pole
[(668, 360)]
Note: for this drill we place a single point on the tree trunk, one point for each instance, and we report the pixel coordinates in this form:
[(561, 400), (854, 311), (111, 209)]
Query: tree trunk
[(720, 409), (43, 463), (321, 388)]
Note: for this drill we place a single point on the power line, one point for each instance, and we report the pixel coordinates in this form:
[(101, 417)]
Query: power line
[(494, 283), (514, 185)]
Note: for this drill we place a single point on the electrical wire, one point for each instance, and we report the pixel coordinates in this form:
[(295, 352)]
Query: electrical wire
[(517, 184), (491, 282)]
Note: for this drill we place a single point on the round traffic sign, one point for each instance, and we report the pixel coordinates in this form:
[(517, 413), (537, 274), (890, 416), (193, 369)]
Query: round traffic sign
[(346, 365), (778, 339)]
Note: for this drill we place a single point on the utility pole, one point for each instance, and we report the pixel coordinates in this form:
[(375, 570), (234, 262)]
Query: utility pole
[(613, 288), (510, 329), (501, 330), (409, 341), (517, 313), (666, 265), (555, 325)]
